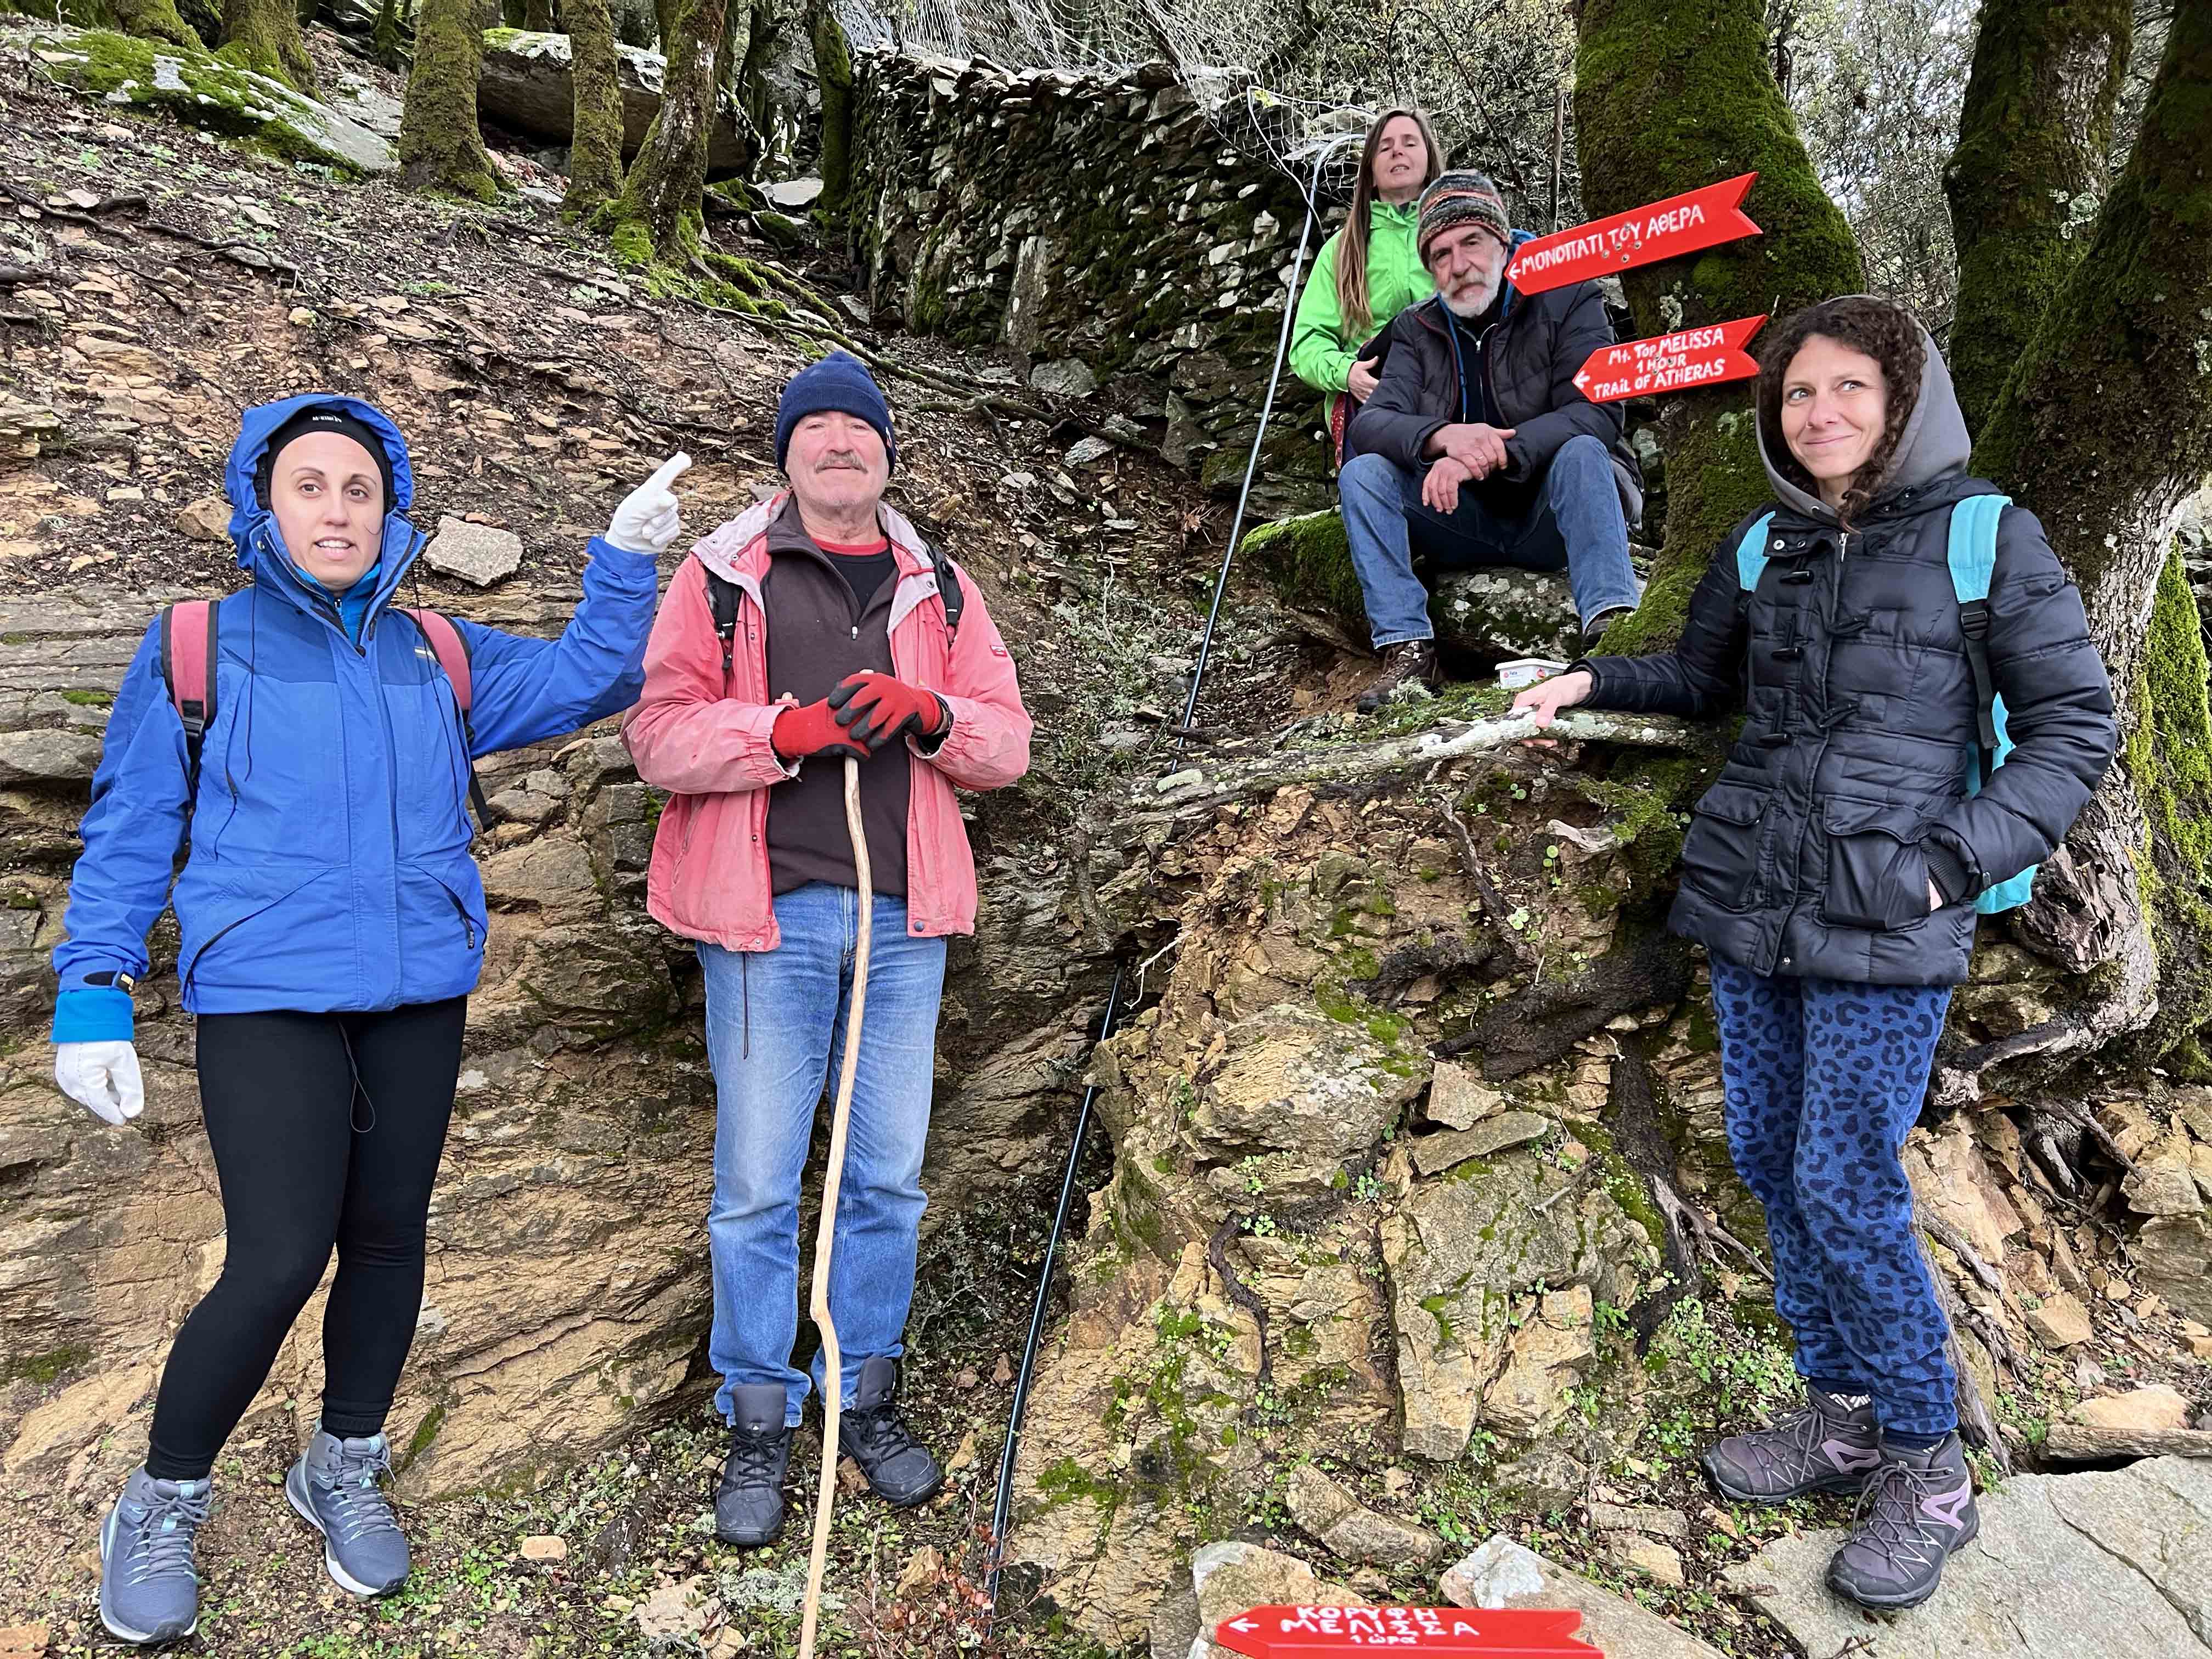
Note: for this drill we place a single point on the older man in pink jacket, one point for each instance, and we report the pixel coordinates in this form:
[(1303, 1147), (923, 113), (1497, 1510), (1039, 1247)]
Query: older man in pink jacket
[(818, 626)]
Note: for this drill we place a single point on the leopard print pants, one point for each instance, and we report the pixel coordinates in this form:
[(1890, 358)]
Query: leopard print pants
[(1823, 1080)]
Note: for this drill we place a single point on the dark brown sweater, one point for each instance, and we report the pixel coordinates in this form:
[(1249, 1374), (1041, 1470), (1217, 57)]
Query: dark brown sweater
[(818, 633)]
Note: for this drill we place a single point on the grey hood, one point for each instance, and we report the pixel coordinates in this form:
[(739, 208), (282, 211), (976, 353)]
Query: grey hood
[(1935, 440)]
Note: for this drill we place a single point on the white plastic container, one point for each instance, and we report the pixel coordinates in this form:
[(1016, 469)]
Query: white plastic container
[(1528, 670)]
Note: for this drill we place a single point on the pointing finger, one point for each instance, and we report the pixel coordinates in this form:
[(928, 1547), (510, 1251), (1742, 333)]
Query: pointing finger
[(669, 472)]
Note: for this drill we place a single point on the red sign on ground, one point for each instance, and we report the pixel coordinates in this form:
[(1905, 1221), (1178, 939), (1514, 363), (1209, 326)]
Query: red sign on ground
[(1670, 362), (1308, 1632), (1681, 224)]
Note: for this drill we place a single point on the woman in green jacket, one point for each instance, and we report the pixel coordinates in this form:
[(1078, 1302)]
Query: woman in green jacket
[(1371, 270)]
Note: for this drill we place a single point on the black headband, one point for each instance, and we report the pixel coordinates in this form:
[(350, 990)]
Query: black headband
[(323, 419)]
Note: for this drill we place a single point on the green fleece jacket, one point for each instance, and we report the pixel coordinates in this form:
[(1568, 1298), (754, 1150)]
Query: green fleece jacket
[(1321, 350)]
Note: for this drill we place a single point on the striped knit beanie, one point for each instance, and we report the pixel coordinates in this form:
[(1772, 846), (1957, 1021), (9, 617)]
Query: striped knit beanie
[(1461, 199)]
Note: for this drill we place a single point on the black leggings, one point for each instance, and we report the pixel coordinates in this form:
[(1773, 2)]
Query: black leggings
[(326, 1130)]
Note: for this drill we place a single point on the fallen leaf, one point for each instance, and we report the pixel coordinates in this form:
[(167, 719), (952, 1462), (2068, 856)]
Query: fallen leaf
[(923, 1571), (1004, 1372), (545, 1547)]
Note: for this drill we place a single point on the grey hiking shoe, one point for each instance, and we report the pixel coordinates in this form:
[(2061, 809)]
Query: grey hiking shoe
[(149, 1585), (1831, 1445), (899, 1467), (334, 1486), (1918, 1508), (748, 1503), (1410, 662)]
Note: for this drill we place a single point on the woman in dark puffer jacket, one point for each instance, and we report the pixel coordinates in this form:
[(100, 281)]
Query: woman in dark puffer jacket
[(1831, 871)]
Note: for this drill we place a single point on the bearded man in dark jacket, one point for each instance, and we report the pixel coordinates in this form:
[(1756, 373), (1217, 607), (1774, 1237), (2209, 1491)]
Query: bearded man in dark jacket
[(1477, 448)]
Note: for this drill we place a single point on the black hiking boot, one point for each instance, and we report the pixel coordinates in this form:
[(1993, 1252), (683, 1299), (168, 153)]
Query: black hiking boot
[(900, 1469), (1831, 1445), (1916, 1512), (1410, 662), (748, 1503)]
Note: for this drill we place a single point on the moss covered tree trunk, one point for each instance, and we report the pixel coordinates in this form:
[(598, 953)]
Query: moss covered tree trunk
[(833, 72), (754, 96), (265, 35), (539, 15), (2025, 179), (2103, 428), (666, 13), (154, 20), (1671, 95), (390, 38), (440, 147), (657, 216), (595, 160)]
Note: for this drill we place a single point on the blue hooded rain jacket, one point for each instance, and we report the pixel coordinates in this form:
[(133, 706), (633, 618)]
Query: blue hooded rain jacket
[(329, 864)]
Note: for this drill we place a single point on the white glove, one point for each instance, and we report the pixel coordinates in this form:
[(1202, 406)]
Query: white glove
[(102, 1077), (647, 519)]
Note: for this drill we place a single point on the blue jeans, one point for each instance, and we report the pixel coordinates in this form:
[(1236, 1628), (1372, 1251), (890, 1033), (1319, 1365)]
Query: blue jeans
[(1574, 524), (775, 1035), (1822, 1080)]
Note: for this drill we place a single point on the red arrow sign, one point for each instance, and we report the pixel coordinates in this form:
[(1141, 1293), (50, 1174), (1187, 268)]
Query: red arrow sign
[(1681, 224), (1670, 362), (1307, 1632)]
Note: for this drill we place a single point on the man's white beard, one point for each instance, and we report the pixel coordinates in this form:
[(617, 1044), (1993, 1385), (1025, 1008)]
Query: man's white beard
[(1473, 305)]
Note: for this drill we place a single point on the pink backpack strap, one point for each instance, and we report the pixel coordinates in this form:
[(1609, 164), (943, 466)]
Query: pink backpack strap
[(188, 659), (452, 651)]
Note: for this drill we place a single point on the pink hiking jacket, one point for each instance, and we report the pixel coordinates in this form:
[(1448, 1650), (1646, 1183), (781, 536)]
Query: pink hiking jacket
[(707, 741)]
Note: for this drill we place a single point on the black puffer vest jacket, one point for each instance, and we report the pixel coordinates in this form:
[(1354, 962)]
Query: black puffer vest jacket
[(1812, 854)]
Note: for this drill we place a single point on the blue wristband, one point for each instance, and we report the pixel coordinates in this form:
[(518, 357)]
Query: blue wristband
[(93, 1013)]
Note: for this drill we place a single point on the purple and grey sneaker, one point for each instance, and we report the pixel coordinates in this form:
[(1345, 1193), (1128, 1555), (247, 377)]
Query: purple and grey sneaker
[(1918, 1508), (1832, 1444)]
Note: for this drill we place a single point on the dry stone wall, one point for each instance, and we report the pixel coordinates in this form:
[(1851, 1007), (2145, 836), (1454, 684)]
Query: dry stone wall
[(1101, 229)]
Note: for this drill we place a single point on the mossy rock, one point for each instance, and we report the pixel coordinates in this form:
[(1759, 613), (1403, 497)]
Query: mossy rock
[(781, 230), (1490, 616), (527, 85), (1309, 562), (203, 91)]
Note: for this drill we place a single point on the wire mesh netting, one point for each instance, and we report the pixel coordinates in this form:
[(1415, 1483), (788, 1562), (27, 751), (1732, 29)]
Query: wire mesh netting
[(1292, 82)]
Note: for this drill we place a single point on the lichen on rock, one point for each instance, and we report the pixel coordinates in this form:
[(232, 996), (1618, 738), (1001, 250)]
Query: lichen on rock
[(202, 90)]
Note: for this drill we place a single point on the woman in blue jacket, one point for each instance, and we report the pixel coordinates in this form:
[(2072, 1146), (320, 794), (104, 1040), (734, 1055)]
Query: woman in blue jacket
[(332, 925)]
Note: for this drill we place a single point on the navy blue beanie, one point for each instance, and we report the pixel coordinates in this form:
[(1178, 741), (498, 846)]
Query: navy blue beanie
[(840, 381)]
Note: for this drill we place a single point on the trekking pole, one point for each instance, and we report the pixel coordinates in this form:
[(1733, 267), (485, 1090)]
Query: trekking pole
[(1267, 408), (833, 1363)]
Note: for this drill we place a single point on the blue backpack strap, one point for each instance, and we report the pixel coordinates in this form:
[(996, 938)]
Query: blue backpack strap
[(1972, 555), (1752, 552)]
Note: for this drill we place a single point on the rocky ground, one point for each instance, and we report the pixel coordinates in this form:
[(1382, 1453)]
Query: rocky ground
[(158, 281), (1415, 1270)]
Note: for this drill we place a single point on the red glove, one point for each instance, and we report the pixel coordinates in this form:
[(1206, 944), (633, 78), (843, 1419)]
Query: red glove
[(812, 728), (878, 707)]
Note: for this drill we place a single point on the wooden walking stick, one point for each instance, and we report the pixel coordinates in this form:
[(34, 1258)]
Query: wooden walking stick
[(833, 1394)]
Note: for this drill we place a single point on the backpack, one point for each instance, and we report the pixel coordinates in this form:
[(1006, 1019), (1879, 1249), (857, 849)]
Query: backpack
[(723, 595), (1971, 554), (188, 650)]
